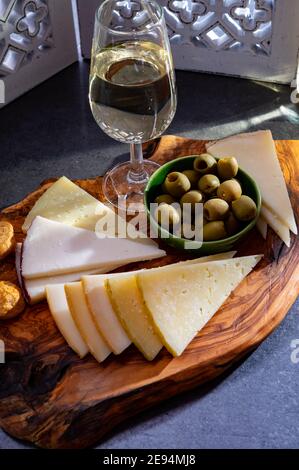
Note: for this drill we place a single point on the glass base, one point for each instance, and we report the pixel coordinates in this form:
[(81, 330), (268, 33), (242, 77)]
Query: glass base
[(124, 188)]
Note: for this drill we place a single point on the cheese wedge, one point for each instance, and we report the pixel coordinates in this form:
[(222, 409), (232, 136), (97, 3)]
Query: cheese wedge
[(256, 154), (262, 227), (84, 321), (102, 310), (66, 202), (276, 224), (62, 316), (127, 303), (182, 300), (52, 248)]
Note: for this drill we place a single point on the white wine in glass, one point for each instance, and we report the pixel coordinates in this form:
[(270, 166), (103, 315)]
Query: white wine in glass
[(132, 89)]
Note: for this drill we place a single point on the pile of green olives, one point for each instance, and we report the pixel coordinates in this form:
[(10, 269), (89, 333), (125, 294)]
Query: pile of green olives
[(214, 184)]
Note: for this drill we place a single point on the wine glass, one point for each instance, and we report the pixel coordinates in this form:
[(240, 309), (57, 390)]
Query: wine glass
[(132, 89)]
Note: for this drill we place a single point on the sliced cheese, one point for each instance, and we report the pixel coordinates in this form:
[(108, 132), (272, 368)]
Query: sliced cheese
[(256, 154), (127, 303), (62, 316), (52, 248), (262, 227), (275, 223), (84, 321), (182, 300), (66, 202), (103, 312)]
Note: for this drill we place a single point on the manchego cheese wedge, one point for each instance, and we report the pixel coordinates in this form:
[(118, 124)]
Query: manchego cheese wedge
[(62, 316), (182, 300), (84, 321), (66, 202), (122, 296), (127, 303), (52, 248), (256, 154)]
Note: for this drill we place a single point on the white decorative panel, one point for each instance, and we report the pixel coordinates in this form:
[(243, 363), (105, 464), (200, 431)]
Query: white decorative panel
[(37, 39), (251, 38)]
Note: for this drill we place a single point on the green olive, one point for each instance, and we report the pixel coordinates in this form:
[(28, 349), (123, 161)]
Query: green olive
[(214, 231), (191, 197), (215, 209), (227, 167), (229, 190), (164, 198), (176, 184), (208, 184), (244, 208), (232, 225), (166, 215), (192, 176), (205, 164)]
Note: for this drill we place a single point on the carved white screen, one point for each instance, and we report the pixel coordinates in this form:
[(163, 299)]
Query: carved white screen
[(249, 38), (37, 40)]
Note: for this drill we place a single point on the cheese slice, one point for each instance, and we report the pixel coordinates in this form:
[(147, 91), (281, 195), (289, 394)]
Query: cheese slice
[(182, 300), (128, 305), (66, 202), (256, 154), (35, 289), (262, 227), (102, 310), (62, 316), (276, 224), (52, 248), (84, 321)]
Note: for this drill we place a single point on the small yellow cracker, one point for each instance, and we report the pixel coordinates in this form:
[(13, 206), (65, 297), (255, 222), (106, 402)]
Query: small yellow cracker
[(7, 239), (12, 302)]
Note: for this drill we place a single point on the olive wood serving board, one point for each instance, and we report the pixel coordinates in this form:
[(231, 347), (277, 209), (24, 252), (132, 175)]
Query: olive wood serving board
[(51, 398)]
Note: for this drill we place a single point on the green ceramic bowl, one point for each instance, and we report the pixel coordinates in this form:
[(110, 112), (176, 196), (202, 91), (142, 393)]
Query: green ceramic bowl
[(153, 189)]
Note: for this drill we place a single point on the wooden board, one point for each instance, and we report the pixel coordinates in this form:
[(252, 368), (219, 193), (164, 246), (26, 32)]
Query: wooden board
[(53, 399)]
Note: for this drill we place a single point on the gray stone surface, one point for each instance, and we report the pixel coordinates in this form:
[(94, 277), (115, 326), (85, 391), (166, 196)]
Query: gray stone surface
[(50, 132)]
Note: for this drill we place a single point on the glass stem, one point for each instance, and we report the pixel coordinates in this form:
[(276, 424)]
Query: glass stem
[(137, 174)]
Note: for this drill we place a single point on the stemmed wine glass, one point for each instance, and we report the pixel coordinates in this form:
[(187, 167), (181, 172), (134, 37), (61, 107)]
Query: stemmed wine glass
[(132, 88)]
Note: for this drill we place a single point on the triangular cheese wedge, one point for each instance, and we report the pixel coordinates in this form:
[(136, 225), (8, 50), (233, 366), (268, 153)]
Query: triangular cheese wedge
[(62, 316), (84, 321), (52, 248), (256, 154), (182, 300), (66, 202)]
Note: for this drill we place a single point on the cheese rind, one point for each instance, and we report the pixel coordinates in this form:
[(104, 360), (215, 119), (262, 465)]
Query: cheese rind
[(181, 301), (84, 321), (256, 154), (52, 248), (62, 316), (66, 202)]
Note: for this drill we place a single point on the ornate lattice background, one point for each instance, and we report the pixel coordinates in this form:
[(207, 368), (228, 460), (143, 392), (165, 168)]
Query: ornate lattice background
[(239, 25), (25, 33)]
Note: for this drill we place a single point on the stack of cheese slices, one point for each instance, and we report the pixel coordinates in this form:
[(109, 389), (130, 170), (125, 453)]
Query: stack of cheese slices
[(61, 244), (256, 154), (151, 308)]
